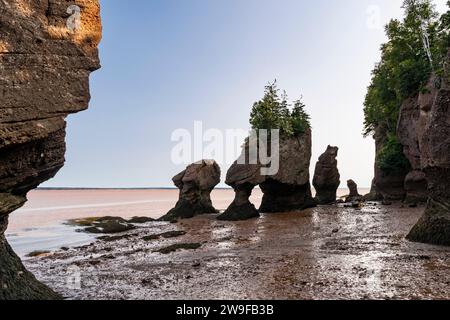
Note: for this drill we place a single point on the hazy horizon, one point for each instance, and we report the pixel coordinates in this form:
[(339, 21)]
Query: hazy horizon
[(166, 64)]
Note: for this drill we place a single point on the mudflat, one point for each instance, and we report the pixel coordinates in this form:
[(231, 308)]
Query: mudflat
[(328, 252)]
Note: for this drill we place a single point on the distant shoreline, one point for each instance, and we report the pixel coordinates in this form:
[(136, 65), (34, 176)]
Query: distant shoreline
[(93, 189), (150, 188)]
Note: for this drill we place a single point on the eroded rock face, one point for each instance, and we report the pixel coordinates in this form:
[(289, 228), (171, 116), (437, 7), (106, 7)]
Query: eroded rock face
[(373, 195), (287, 190), (387, 185), (243, 178), (354, 194), (195, 184), (434, 227), (414, 118), (326, 177), (241, 208), (416, 187), (44, 76), (290, 188)]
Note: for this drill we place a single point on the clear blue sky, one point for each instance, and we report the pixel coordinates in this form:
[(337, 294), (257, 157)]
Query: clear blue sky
[(168, 63)]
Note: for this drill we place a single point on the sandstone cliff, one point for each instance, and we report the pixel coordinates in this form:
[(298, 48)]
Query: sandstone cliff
[(388, 185), (414, 118), (44, 76), (434, 145)]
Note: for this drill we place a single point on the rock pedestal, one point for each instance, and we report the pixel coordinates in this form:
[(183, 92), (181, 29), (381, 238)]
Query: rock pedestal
[(286, 190), (243, 178), (241, 208), (195, 184), (354, 194), (290, 188), (326, 177)]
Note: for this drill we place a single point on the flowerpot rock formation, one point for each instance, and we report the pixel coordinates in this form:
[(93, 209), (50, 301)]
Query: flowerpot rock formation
[(195, 184), (287, 190), (326, 179), (354, 195), (243, 178)]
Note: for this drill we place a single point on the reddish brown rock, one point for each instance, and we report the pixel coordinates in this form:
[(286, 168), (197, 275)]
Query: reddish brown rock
[(434, 226), (195, 184), (44, 76), (416, 187), (326, 177), (390, 186), (354, 194), (414, 118), (290, 188), (373, 195), (287, 190), (243, 178)]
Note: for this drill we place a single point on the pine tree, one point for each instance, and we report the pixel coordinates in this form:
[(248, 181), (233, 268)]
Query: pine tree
[(285, 116), (300, 120), (272, 112), (264, 114)]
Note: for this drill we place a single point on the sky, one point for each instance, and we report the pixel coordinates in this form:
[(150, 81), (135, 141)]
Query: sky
[(169, 63)]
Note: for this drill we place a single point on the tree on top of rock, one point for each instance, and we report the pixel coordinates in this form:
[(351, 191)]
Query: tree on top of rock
[(299, 118), (273, 112)]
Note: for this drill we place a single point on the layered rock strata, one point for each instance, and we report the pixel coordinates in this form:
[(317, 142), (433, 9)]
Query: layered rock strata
[(434, 145), (47, 51)]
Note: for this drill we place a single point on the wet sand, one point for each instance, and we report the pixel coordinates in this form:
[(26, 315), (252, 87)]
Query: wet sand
[(42, 223), (322, 253)]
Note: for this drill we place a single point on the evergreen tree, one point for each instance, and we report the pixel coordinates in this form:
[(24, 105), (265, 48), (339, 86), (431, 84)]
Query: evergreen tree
[(272, 112), (265, 113), (285, 116), (300, 120)]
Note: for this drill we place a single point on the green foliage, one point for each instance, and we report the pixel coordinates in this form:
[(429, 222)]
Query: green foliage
[(273, 112), (443, 40), (299, 118), (391, 158), (406, 63), (417, 47)]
